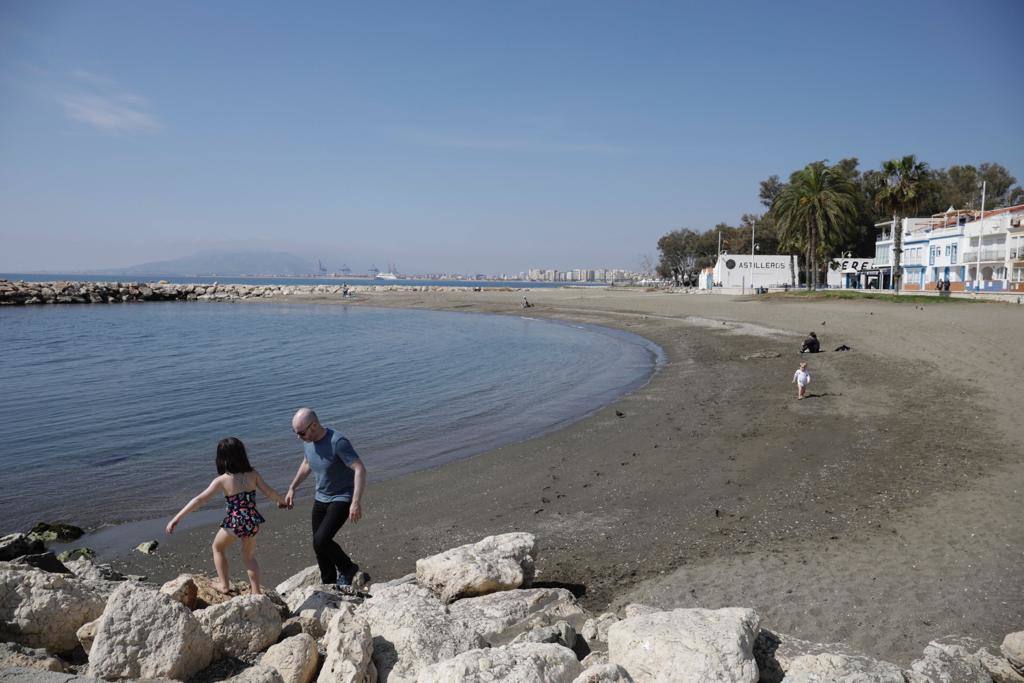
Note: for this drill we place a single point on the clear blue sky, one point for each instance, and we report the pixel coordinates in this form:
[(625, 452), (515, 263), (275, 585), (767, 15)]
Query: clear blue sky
[(466, 136)]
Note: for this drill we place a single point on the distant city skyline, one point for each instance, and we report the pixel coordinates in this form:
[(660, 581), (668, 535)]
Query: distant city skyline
[(466, 137)]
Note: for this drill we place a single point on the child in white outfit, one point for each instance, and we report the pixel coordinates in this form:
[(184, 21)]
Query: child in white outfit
[(802, 377)]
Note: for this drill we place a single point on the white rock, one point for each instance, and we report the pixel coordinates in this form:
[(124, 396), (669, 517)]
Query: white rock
[(310, 576), (946, 665), (595, 629), (635, 609), (349, 647), (258, 674), (12, 654), (977, 653), (496, 563), (500, 617), (45, 610), (306, 624), (706, 644), (86, 634), (242, 626), (823, 668), (85, 568), (146, 634), (183, 589), (604, 673), (295, 658), (777, 655), (1013, 649), (411, 629), (596, 658), (315, 599), (519, 663), (559, 633)]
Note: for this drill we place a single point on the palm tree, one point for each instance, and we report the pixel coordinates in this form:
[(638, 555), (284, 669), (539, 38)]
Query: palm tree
[(904, 183), (814, 210)]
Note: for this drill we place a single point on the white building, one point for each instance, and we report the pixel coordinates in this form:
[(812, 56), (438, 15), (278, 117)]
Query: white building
[(946, 247), (735, 271)]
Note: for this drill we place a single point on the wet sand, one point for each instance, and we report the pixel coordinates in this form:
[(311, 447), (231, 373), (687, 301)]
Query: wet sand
[(883, 511)]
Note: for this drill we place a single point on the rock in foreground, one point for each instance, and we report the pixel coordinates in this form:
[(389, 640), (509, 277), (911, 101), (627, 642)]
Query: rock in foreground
[(708, 645), (496, 563)]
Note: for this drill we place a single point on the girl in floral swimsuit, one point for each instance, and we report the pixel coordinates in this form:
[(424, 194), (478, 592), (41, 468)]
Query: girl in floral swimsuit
[(238, 481)]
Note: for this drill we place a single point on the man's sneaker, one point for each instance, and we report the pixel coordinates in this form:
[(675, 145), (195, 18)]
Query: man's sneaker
[(343, 582), (360, 580)]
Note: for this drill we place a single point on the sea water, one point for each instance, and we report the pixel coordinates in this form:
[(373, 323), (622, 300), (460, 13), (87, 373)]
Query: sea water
[(111, 413)]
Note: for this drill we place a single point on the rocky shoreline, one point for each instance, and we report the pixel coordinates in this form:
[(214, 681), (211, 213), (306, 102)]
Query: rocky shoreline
[(471, 613), (23, 293)]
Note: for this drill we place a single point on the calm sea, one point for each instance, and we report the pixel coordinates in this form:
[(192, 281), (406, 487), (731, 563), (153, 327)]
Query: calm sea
[(110, 414)]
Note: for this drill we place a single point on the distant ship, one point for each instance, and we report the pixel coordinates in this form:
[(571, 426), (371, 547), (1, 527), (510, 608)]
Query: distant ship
[(390, 275)]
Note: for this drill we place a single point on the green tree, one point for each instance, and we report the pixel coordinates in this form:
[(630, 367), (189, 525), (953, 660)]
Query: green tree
[(814, 210), (905, 180)]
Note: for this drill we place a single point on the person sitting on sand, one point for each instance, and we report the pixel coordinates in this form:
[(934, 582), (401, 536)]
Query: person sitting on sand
[(811, 344), (526, 304), (802, 377), (238, 481)]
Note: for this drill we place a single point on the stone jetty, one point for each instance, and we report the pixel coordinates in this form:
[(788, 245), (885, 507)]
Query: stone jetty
[(20, 292), (467, 614)]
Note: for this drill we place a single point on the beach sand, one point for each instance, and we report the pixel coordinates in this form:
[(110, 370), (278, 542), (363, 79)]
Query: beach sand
[(884, 511)]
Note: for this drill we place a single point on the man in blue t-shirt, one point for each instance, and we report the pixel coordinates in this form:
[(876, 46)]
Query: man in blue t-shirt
[(340, 478)]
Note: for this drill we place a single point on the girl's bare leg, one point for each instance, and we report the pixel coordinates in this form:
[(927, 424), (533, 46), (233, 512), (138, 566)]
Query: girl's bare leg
[(221, 542), (252, 567)]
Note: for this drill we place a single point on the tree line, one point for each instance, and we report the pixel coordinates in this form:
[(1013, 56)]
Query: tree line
[(824, 210)]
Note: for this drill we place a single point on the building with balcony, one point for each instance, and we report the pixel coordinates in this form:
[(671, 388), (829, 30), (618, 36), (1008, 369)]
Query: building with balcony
[(955, 246)]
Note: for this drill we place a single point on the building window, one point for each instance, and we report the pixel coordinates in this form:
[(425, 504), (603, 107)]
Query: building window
[(952, 253)]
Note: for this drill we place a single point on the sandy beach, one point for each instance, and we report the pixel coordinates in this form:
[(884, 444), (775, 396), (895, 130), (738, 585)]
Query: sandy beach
[(882, 512)]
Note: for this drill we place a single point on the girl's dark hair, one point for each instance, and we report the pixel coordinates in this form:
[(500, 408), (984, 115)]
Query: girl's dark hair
[(231, 457)]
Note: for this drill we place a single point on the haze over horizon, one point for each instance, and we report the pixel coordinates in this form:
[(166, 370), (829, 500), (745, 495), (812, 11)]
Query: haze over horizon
[(467, 137)]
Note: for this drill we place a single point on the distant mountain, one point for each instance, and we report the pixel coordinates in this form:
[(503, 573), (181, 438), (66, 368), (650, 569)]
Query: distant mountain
[(223, 263)]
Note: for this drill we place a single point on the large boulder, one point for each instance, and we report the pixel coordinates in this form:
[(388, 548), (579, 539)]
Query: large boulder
[(518, 663), (496, 563), (242, 626), (86, 634), (16, 545), (12, 654), (781, 656), (603, 673), (310, 576), (257, 674), (595, 630), (943, 663), (313, 600), (38, 609), (295, 658), (183, 589), (823, 668), (57, 531), (85, 568), (146, 634), (979, 655), (411, 630), (706, 644), (1013, 649), (500, 617), (349, 648)]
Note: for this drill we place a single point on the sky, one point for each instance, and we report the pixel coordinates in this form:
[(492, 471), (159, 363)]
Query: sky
[(474, 137)]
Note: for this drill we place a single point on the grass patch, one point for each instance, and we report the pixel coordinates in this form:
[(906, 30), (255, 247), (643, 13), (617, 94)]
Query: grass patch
[(874, 296)]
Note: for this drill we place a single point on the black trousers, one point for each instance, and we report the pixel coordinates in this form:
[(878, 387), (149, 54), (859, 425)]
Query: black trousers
[(327, 519)]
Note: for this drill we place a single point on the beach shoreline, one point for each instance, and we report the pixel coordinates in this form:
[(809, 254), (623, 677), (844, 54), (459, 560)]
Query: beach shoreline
[(715, 488)]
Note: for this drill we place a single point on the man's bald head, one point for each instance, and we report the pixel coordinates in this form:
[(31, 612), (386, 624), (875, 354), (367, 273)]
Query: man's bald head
[(303, 418)]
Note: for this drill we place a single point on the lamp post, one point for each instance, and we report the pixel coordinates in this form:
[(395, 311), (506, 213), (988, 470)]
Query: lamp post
[(981, 231)]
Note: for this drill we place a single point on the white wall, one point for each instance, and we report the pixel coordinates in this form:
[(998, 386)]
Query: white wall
[(733, 270)]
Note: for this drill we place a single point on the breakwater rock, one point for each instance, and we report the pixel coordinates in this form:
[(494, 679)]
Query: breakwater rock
[(477, 625), (20, 292)]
